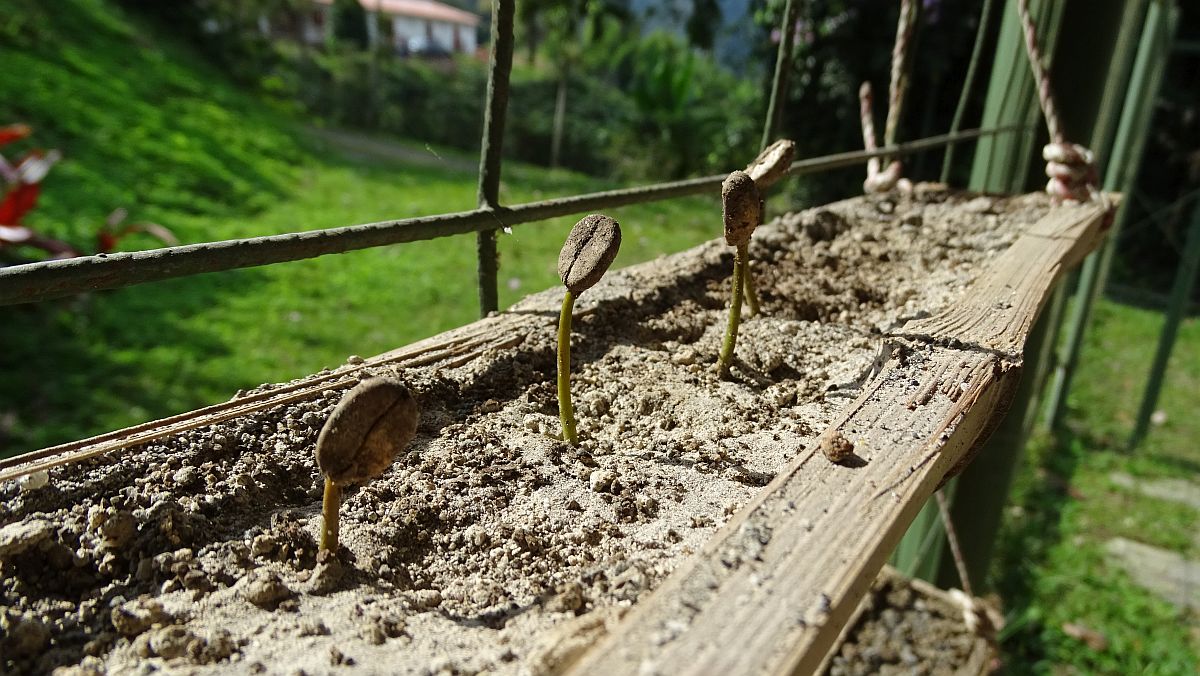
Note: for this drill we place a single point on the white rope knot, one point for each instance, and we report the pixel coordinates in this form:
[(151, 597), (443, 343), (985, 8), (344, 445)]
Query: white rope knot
[(1072, 172), (887, 179)]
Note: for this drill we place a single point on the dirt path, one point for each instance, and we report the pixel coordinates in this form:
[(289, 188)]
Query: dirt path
[(363, 147)]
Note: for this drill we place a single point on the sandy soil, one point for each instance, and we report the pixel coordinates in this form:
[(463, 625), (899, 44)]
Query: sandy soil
[(903, 632), (489, 546)]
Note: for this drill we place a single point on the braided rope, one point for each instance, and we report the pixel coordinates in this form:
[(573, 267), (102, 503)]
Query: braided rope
[(899, 83), (886, 179), (867, 118), (877, 181), (1040, 76), (1070, 167)]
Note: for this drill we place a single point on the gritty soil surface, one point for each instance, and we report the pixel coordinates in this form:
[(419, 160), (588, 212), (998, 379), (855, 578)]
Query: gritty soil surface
[(488, 545), (903, 632)]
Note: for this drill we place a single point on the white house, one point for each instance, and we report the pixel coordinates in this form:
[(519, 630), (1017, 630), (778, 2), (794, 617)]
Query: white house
[(417, 26)]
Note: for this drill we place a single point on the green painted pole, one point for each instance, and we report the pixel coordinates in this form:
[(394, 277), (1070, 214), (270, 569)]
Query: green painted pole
[(1083, 59), (1163, 17), (1144, 75), (968, 85), (983, 487), (1002, 166), (1181, 293), (1005, 165)]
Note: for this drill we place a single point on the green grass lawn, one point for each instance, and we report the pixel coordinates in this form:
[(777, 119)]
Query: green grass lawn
[(1051, 568), (146, 125)]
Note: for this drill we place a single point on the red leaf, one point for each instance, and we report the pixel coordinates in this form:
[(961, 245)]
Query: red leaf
[(105, 241), (18, 202), (13, 132)]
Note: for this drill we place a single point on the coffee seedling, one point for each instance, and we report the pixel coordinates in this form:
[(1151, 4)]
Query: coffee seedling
[(770, 166), (366, 431), (585, 257), (741, 207)]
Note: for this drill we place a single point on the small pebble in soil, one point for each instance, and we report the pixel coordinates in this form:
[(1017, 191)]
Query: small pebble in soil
[(601, 480), (35, 481), (22, 535), (265, 589), (836, 447)]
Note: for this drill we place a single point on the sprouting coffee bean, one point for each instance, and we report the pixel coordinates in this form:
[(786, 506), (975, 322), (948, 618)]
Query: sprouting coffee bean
[(588, 251), (367, 429), (741, 204), (772, 163)]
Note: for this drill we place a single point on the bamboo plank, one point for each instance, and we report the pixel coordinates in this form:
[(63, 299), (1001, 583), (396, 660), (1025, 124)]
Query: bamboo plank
[(771, 591)]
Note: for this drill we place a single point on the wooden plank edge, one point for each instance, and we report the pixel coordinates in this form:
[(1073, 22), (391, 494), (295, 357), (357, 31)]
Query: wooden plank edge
[(627, 649)]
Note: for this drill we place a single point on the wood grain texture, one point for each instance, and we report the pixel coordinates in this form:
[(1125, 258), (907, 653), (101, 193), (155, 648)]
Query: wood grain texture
[(771, 591), (999, 309)]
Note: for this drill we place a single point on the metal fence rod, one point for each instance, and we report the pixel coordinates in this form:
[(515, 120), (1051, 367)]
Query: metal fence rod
[(783, 66), (1181, 291), (960, 109), (493, 142), (59, 278)]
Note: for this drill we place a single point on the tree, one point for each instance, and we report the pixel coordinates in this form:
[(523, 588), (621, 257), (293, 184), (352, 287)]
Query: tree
[(349, 24), (576, 31), (703, 23)]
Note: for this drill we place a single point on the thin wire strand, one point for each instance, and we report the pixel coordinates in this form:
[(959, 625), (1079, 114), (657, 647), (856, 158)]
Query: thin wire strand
[(985, 17)]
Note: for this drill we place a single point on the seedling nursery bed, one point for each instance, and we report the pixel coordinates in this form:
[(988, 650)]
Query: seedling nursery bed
[(191, 545)]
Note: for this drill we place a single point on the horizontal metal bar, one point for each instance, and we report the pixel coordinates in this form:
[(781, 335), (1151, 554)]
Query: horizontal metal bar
[(47, 280)]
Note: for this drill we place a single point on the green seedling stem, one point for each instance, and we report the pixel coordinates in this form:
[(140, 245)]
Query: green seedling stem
[(590, 248), (330, 507), (740, 257), (741, 209), (748, 289), (566, 412)]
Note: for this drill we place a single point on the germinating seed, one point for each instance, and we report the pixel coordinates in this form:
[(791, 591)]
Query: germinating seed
[(367, 429), (588, 251), (772, 163), (741, 202)]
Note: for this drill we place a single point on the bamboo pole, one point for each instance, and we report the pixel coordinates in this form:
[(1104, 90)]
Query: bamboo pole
[(983, 488), (1003, 165), (1181, 292), (1122, 168)]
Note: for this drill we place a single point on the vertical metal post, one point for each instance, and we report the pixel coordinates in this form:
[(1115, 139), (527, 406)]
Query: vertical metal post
[(1122, 167), (783, 66), (493, 141), (1181, 293), (968, 84)]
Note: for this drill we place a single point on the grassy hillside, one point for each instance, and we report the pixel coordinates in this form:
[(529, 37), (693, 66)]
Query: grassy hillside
[(145, 124)]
